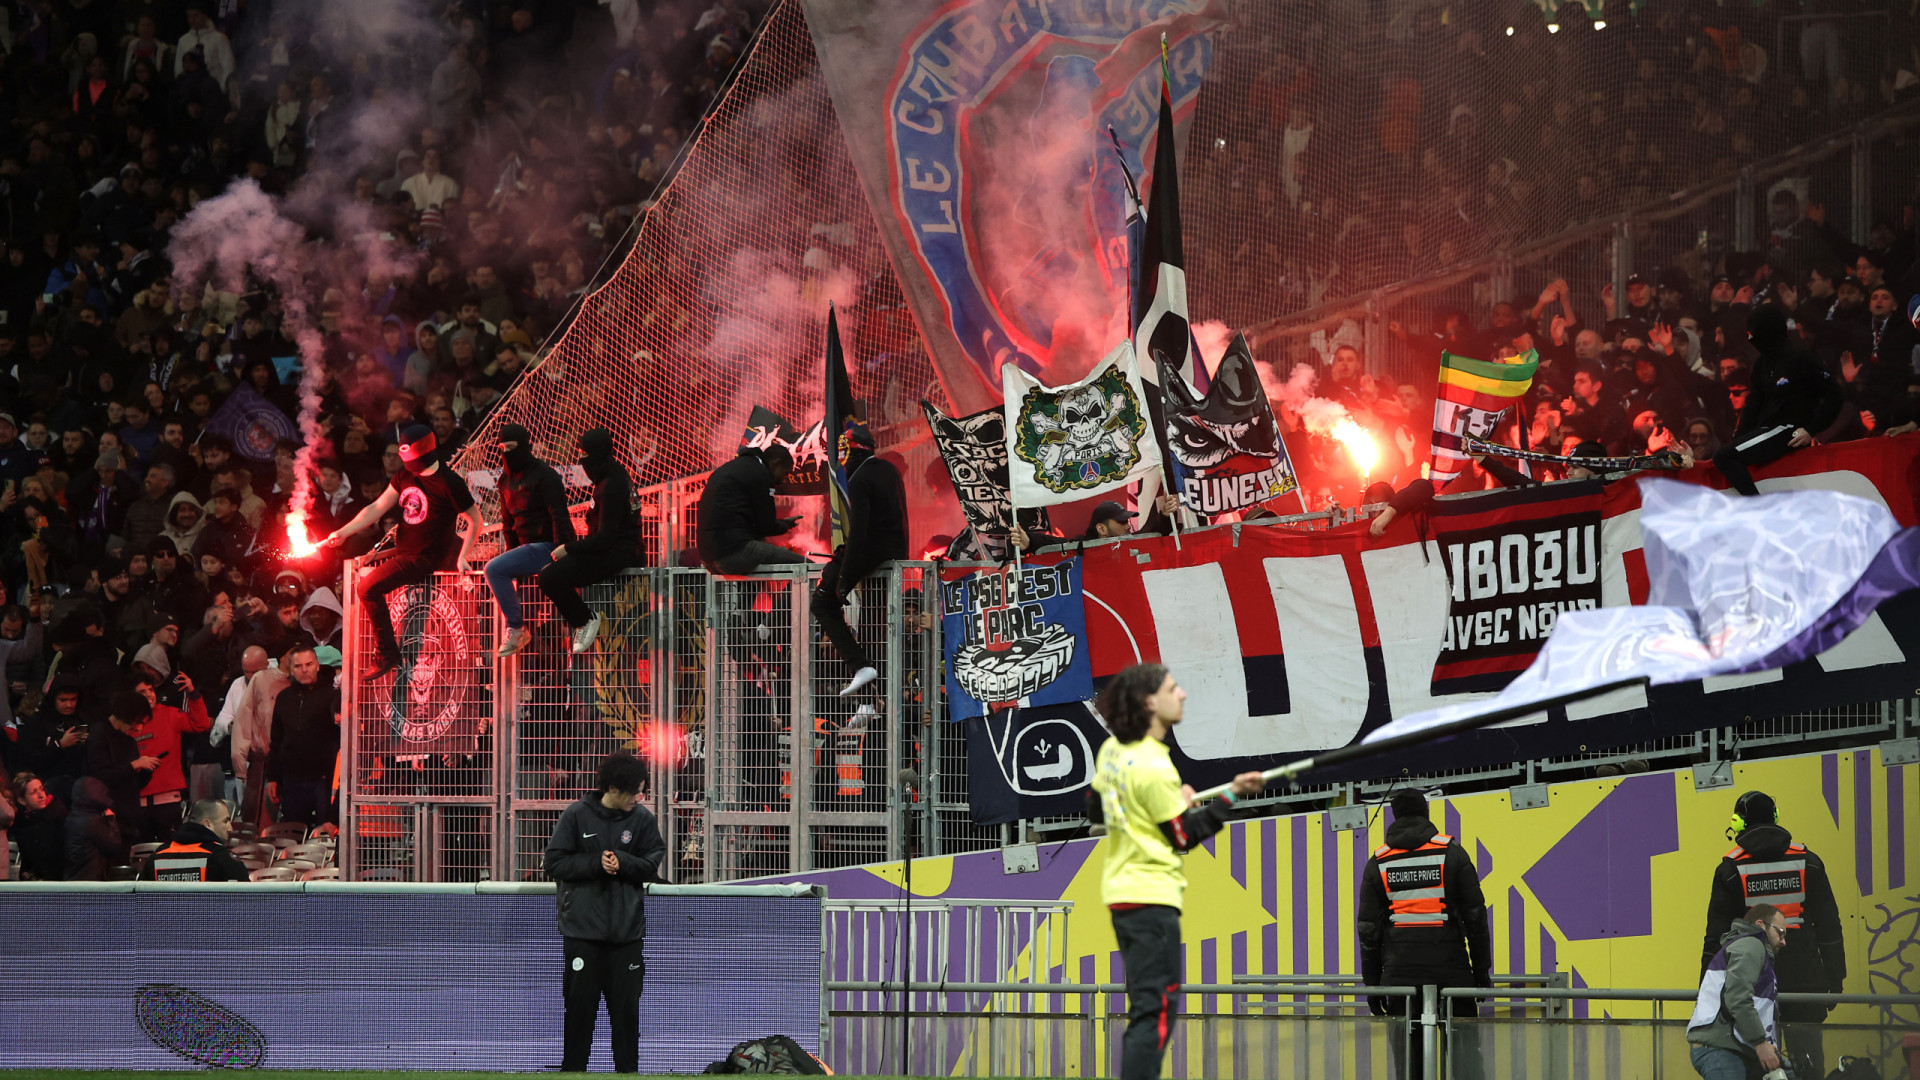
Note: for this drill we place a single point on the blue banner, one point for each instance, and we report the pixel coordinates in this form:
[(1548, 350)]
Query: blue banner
[(1014, 640)]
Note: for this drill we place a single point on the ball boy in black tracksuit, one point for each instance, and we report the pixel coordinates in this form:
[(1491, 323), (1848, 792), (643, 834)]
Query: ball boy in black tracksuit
[(604, 849)]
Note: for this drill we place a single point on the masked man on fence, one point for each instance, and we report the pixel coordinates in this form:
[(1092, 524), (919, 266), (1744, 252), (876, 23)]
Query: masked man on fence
[(1423, 922), (876, 533), (534, 520), (604, 850), (432, 500), (611, 545), (1767, 867), (1151, 821)]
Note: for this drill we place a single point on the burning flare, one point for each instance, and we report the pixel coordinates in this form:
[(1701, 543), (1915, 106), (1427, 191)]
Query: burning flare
[(298, 544), (1359, 445)]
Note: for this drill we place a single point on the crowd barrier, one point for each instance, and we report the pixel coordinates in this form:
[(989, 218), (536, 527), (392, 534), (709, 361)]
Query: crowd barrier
[(333, 975), (457, 768)]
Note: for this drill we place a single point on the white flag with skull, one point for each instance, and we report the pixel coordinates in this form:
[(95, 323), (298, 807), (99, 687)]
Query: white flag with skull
[(1066, 443)]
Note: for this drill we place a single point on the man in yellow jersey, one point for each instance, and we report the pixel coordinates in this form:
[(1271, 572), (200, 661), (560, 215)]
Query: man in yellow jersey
[(1151, 821)]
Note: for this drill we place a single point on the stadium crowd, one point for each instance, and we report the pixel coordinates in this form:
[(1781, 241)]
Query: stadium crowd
[(489, 157), (1670, 368)]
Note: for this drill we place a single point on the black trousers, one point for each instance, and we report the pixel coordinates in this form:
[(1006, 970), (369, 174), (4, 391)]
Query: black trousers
[(396, 573), (597, 969), (1734, 463), (1149, 940), (831, 612), (562, 578)]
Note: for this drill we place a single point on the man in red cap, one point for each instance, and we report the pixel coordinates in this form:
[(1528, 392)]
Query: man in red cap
[(432, 500)]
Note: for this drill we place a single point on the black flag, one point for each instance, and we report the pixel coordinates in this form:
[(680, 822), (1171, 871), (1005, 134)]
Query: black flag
[(1160, 295)]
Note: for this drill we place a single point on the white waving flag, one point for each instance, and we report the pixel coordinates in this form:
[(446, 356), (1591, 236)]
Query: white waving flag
[(1066, 443)]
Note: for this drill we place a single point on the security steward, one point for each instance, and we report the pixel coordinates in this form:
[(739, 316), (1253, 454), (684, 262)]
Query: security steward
[(1767, 867), (1423, 922), (199, 848)]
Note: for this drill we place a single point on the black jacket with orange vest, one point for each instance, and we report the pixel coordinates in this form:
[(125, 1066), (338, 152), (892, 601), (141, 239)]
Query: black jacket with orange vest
[(1422, 917), (1767, 867), (194, 855)]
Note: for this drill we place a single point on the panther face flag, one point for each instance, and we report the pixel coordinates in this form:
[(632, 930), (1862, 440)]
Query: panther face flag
[(1476, 398), (974, 449), (1014, 638), (809, 449), (1226, 447), (1066, 443)]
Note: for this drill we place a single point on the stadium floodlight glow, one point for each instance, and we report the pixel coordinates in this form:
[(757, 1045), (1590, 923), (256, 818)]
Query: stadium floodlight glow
[(1599, 24), (1553, 28), (1509, 31)]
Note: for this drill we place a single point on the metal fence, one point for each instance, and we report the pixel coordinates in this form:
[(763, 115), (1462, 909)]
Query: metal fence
[(457, 767), (1307, 1025)]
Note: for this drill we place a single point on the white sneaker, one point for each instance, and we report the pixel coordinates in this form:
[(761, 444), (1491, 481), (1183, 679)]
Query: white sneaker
[(862, 716), (860, 678), (583, 637)]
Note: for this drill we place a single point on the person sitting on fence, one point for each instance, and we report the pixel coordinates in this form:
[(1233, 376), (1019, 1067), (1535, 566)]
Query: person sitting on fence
[(533, 521), (736, 513), (876, 533), (431, 501), (611, 545)]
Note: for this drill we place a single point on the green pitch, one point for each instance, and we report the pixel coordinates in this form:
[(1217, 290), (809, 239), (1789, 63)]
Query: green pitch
[(306, 1074)]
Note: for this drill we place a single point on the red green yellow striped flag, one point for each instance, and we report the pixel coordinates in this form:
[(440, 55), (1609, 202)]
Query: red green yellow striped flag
[(1476, 398)]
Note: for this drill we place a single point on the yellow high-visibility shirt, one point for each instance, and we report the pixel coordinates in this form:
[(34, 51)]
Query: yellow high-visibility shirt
[(1139, 788)]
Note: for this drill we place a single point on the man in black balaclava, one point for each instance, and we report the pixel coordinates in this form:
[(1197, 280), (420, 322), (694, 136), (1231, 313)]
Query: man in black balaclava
[(1792, 396), (431, 501), (611, 545), (533, 521), (876, 532)]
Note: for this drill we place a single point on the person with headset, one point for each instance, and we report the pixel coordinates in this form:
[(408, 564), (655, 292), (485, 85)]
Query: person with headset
[(1767, 867)]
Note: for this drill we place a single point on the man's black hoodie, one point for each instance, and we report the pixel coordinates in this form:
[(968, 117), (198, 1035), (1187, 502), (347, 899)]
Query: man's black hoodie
[(593, 904), (94, 843), (1457, 954), (1814, 958)]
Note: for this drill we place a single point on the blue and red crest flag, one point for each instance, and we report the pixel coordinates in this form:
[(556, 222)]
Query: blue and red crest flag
[(251, 423), (980, 131), (840, 409)]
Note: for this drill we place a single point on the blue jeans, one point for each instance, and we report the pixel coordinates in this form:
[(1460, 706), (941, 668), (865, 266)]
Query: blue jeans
[(1714, 1063), (526, 560)]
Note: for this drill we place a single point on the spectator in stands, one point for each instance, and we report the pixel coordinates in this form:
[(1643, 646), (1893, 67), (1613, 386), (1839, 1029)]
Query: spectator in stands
[(116, 756), (1791, 397), (252, 728), (87, 660), (611, 545), (94, 841), (737, 513), (53, 741), (164, 796), (534, 520), (876, 533), (304, 743), (198, 848), (40, 828)]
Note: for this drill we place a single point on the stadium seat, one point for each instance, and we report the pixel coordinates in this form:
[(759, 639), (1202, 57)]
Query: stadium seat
[(275, 873), (297, 865), (318, 854), (141, 851), (290, 829), (325, 873)]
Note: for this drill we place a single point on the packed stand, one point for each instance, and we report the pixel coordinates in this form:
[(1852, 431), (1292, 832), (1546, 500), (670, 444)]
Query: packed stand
[(1814, 334), (455, 175), (1378, 144)]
